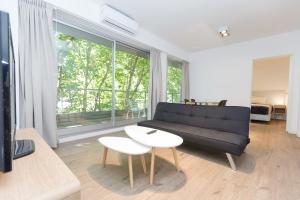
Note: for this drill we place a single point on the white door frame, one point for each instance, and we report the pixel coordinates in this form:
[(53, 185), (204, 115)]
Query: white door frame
[(293, 121), (293, 105)]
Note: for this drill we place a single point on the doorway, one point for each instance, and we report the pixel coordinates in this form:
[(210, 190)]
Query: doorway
[(270, 86)]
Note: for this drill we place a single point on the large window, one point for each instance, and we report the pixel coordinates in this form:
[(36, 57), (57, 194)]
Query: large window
[(174, 78), (101, 83), (131, 82)]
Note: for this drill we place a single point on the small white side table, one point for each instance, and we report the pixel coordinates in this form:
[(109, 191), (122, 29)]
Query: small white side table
[(126, 146), (156, 139)]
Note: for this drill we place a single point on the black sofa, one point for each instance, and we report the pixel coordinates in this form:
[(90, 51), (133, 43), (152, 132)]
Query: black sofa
[(225, 129)]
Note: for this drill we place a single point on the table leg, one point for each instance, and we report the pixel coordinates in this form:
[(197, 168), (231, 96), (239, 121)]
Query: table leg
[(152, 166), (104, 156), (175, 158), (130, 170), (144, 164)]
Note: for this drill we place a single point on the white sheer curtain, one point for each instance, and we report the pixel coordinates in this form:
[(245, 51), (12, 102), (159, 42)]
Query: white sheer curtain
[(37, 65), (156, 81), (185, 82)]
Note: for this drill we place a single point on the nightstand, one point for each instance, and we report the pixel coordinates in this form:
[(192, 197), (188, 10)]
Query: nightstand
[(279, 112)]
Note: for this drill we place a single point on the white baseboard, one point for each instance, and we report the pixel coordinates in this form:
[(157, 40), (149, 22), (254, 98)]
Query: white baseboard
[(88, 135)]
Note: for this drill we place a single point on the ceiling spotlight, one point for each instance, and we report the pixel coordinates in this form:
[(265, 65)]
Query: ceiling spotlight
[(224, 31)]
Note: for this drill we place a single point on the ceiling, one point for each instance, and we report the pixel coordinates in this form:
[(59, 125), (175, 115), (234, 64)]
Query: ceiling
[(193, 24)]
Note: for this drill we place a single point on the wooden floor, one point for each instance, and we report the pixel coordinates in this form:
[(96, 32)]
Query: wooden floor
[(269, 169)]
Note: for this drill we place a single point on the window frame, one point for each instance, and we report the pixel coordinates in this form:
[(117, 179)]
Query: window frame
[(175, 64), (69, 131)]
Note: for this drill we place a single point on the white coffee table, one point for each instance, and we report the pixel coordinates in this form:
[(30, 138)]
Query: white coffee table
[(157, 139), (126, 146)]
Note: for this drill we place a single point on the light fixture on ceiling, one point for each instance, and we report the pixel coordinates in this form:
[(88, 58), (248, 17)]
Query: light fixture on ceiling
[(224, 31)]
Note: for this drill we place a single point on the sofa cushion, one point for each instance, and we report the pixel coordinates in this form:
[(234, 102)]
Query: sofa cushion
[(220, 140), (233, 119)]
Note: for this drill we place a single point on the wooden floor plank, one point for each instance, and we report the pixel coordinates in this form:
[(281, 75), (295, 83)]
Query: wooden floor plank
[(269, 169)]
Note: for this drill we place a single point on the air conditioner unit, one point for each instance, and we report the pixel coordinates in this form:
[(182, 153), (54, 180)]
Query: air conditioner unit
[(117, 19)]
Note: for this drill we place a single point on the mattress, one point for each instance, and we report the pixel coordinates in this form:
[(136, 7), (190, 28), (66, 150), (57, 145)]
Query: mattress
[(261, 112)]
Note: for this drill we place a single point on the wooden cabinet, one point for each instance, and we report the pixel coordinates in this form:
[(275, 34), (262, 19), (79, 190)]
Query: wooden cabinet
[(41, 175)]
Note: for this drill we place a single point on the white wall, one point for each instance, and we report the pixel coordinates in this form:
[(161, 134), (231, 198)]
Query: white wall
[(91, 10), (271, 74), (270, 79), (226, 72), (222, 77)]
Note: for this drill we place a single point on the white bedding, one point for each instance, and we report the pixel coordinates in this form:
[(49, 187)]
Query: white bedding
[(262, 117)]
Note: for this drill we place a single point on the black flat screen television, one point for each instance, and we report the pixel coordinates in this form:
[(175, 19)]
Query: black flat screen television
[(7, 102), (9, 147)]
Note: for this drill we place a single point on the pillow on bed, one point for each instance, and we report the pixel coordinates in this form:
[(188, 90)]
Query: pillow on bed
[(260, 100)]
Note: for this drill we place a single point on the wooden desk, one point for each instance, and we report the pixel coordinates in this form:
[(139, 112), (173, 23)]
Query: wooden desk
[(208, 103), (202, 103), (41, 175), (191, 103)]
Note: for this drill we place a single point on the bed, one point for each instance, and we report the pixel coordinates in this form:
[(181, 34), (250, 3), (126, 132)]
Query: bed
[(261, 112)]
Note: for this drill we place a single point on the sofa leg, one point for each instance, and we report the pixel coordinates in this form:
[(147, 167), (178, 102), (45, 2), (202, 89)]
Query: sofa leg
[(231, 161)]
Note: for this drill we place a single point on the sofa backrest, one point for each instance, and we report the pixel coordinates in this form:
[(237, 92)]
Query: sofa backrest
[(233, 119)]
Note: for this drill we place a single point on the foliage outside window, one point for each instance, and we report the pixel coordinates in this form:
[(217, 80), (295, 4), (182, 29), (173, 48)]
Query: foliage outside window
[(131, 82), (90, 90), (174, 78)]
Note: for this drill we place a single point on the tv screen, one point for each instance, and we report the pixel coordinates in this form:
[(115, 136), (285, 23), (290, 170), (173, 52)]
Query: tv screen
[(7, 95)]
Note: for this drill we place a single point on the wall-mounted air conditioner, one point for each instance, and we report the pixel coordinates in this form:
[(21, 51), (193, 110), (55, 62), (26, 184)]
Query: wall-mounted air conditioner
[(117, 19)]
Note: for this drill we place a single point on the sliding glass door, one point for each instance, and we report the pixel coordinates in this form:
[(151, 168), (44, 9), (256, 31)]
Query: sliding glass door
[(101, 83), (131, 83)]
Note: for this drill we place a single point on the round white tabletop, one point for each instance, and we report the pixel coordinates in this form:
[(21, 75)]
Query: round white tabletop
[(124, 145), (153, 137)]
